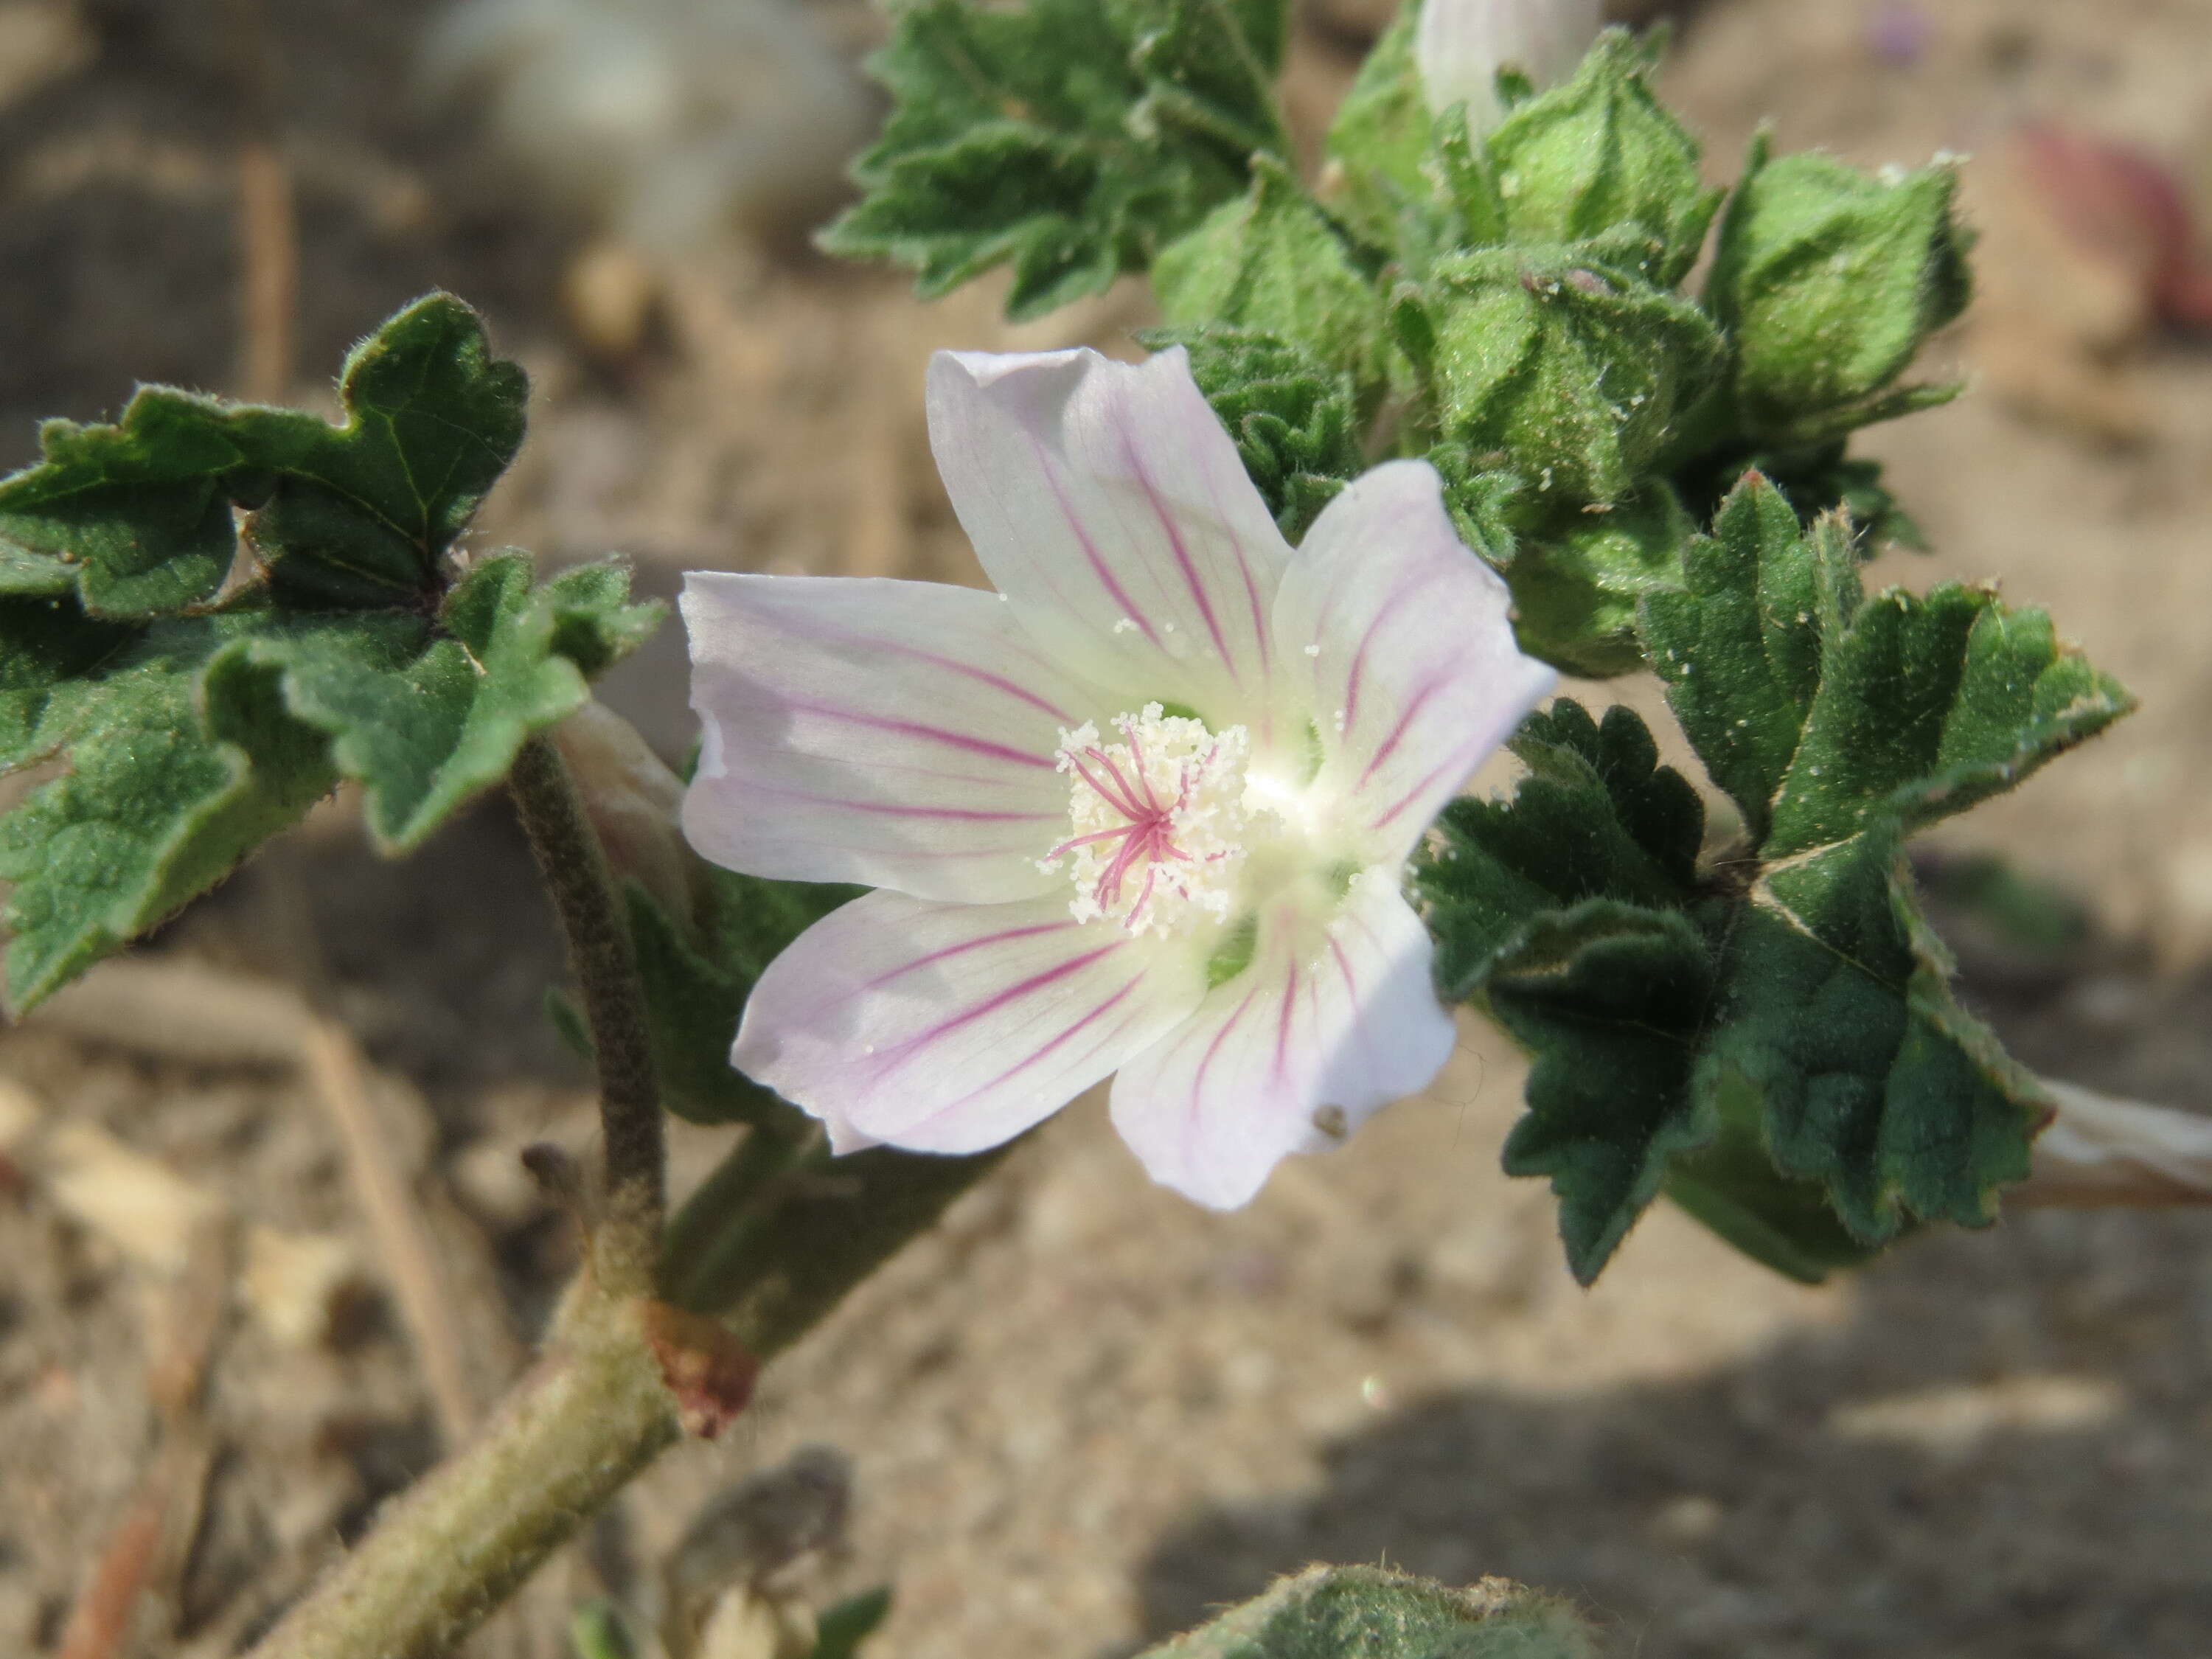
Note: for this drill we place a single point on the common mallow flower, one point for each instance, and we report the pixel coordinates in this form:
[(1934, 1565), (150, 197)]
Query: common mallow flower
[(1460, 46), (1146, 810)]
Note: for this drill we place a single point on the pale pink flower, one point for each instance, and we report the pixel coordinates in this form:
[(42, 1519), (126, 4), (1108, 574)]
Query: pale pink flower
[(1459, 47), (1145, 809)]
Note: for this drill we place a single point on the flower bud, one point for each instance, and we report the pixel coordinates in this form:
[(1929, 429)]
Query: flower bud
[(1461, 44), (632, 799), (1831, 280), (1567, 370), (1600, 155), (1575, 589)]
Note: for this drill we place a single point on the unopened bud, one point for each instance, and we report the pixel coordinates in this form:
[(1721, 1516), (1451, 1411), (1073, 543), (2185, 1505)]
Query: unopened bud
[(1575, 589), (1831, 280), (1600, 155), (1461, 45), (633, 800), (1572, 371)]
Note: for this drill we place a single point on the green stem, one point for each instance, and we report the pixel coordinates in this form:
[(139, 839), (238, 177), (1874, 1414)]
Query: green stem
[(723, 1220), (600, 951)]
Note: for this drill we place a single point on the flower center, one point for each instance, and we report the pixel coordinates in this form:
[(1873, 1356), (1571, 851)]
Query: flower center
[(1157, 821)]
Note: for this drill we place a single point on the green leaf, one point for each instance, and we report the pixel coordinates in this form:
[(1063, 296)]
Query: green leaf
[(1731, 1185), (843, 1626), (1273, 261), (1567, 910), (1611, 1000), (1831, 280), (140, 515), (1576, 586), (182, 759), (191, 741), (1839, 724), (1291, 415), (1596, 817), (134, 516), (1600, 153), (1740, 643), (1874, 1083), (695, 986), (361, 513), (1067, 139), (1372, 1612), (597, 1630), (426, 718)]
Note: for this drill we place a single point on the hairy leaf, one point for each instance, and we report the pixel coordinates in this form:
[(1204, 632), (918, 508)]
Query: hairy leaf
[(140, 514), (426, 718), (1373, 1613), (182, 759), (1291, 415), (1611, 999), (1068, 139), (191, 741)]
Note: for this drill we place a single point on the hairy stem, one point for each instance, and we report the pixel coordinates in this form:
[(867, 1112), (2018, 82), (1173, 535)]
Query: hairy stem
[(594, 1413), (600, 950), (589, 1416)]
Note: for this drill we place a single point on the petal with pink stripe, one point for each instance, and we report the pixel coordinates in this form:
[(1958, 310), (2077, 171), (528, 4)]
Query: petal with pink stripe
[(1335, 1018), (949, 1028), (1404, 640), (1108, 503), (898, 734)]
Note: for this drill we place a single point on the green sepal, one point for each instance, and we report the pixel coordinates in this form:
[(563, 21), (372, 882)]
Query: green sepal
[(696, 979), (1575, 587), (1830, 281), (1378, 144), (1600, 154), (1066, 138), (1291, 415), (1273, 261), (1568, 367), (360, 514)]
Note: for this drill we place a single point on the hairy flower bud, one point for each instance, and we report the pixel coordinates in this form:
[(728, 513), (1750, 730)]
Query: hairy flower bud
[(1570, 371), (1575, 589), (1831, 280), (1600, 155), (1461, 44)]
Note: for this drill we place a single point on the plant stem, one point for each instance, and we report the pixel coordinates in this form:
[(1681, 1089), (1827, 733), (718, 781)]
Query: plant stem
[(599, 950), (591, 1415), (594, 1412)]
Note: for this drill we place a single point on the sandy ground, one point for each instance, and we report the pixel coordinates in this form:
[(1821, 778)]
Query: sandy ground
[(1085, 1411)]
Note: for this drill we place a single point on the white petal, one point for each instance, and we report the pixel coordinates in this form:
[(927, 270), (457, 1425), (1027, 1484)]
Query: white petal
[(949, 1027), (1109, 505), (899, 734), (1406, 640), (1333, 1013), (1459, 47)]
